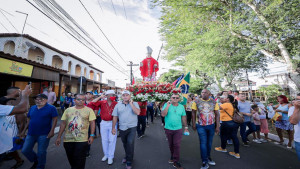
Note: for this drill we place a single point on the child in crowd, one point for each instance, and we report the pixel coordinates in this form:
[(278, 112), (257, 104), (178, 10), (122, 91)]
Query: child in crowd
[(264, 128), (256, 120)]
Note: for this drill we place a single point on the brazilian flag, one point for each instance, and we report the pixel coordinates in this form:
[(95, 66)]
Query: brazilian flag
[(184, 85)]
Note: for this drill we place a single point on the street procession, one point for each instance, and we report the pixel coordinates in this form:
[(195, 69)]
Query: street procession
[(149, 84)]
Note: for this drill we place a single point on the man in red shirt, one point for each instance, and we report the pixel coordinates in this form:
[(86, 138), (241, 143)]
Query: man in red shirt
[(141, 126), (108, 139)]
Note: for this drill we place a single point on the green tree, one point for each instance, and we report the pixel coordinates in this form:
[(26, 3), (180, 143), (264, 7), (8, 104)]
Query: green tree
[(226, 37), (170, 76), (271, 92)]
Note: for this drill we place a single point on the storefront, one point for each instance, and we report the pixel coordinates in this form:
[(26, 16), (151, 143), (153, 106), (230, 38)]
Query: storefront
[(18, 72)]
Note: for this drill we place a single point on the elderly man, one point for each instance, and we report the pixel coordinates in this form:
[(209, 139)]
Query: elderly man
[(42, 119), (108, 139), (127, 112)]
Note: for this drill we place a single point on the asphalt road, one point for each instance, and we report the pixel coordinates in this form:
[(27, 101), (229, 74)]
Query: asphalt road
[(151, 152)]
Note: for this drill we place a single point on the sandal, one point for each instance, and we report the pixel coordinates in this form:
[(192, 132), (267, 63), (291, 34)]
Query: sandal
[(17, 165), (278, 143)]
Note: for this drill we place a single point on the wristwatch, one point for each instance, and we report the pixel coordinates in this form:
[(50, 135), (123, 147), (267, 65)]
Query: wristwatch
[(92, 135)]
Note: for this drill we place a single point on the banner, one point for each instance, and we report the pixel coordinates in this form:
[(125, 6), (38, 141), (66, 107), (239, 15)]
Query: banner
[(184, 85), (15, 68)]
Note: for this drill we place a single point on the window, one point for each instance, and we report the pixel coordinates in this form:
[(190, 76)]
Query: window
[(39, 59)]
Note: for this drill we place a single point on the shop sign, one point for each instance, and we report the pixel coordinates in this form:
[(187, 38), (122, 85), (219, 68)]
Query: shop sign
[(15, 68)]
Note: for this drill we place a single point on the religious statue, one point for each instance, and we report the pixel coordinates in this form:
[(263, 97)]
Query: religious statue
[(149, 67)]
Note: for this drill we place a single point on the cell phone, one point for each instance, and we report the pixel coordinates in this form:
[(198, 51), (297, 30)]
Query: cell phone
[(29, 83)]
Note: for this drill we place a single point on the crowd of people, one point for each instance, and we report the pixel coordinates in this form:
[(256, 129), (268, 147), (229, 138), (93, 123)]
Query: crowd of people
[(84, 113)]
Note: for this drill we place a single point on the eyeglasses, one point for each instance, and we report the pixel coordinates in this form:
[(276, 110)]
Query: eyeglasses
[(175, 97), (80, 99), (38, 100)]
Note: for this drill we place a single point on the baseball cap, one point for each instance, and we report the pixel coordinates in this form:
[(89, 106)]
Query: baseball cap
[(125, 92), (43, 96), (89, 92), (109, 92)]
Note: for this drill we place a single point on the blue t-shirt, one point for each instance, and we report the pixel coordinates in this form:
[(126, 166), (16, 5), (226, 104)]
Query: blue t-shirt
[(41, 119), (68, 100), (284, 108), (245, 107), (149, 105)]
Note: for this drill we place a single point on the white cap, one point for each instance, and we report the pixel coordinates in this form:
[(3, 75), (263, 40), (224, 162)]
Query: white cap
[(125, 92), (109, 92)]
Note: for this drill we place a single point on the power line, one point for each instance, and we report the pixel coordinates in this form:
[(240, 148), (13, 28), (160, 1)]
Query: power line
[(113, 6), (71, 28), (124, 9), (60, 9), (102, 31), (9, 21), (4, 27), (100, 5), (74, 36)]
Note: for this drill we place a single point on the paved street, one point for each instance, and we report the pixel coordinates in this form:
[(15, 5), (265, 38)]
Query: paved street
[(152, 153)]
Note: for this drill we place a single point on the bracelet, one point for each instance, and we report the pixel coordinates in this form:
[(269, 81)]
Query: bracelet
[(92, 135)]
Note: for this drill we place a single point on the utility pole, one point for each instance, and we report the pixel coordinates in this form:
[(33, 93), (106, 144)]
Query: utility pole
[(25, 20), (249, 87), (131, 74)]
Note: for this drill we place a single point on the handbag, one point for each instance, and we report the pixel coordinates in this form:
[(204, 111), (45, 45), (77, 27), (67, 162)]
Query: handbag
[(276, 117), (237, 117)]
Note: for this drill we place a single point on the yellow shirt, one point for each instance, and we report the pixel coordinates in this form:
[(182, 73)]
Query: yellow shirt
[(229, 109), (77, 123)]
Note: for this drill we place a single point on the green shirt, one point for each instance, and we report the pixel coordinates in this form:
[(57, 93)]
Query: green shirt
[(173, 118)]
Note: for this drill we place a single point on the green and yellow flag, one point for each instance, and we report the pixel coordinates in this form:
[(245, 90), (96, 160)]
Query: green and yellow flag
[(184, 85)]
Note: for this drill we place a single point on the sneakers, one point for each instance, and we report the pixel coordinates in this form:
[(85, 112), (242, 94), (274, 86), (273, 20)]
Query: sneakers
[(211, 162), (256, 141), (34, 165), (236, 155), (177, 165), (104, 158), (220, 149), (170, 161), (246, 144), (263, 140), (204, 166), (110, 161)]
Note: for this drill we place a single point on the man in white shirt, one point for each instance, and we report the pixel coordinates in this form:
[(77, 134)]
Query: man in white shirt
[(5, 110), (294, 118)]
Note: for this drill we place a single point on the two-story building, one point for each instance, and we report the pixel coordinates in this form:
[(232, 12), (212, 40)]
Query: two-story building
[(25, 58)]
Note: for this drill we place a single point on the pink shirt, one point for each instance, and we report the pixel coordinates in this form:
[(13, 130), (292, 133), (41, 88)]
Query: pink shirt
[(256, 119)]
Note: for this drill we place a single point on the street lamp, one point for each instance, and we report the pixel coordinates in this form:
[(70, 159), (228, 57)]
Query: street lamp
[(25, 20)]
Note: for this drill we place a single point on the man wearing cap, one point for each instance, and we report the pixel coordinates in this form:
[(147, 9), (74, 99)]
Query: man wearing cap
[(42, 119), (108, 139), (127, 112)]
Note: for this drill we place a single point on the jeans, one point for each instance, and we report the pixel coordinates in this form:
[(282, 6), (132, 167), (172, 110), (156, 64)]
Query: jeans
[(98, 121), (189, 117), (128, 138), (40, 156), (108, 139), (141, 125), (229, 130), (244, 134), (174, 138), (150, 111), (76, 153), (297, 147), (206, 135)]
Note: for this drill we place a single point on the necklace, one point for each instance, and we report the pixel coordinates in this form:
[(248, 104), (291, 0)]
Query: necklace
[(109, 108), (175, 108)]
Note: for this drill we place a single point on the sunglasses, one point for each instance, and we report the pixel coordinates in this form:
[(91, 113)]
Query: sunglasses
[(175, 97), (80, 99)]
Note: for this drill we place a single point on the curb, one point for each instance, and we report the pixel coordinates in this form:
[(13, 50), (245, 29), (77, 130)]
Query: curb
[(276, 138)]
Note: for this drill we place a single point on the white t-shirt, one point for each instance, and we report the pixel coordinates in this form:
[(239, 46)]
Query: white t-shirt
[(5, 110), (296, 127)]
